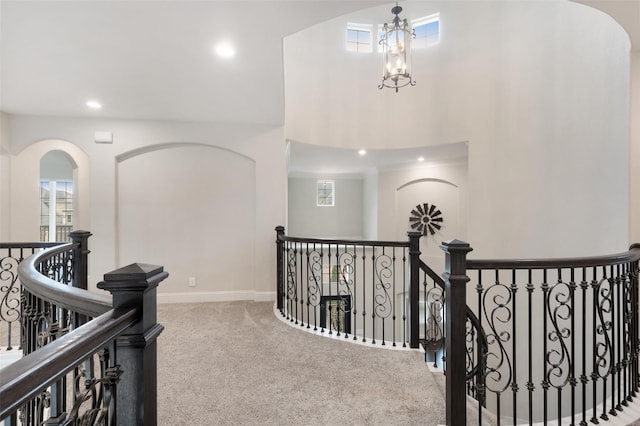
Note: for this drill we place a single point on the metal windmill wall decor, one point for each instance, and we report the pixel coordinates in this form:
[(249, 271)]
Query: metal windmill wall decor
[(426, 219)]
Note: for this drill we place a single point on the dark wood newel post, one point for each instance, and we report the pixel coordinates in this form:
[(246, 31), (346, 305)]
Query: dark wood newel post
[(80, 258), (280, 267), (455, 281), (414, 288), (136, 350), (635, 323)]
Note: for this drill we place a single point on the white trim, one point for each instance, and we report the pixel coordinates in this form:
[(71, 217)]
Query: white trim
[(217, 296), (342, 338), (425, 20)]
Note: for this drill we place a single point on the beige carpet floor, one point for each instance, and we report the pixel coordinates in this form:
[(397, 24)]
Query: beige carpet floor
[(235, 363)]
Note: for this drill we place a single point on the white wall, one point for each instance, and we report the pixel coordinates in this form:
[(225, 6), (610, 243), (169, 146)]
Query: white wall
[(634, 187), (127, 167), (370, 206), (545, 113), (341, 221), (5, 178)]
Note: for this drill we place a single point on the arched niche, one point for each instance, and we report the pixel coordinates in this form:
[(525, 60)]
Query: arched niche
[(191, 208), (436, 203)]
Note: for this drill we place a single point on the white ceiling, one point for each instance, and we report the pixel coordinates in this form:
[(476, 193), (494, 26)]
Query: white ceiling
[(154, 59)]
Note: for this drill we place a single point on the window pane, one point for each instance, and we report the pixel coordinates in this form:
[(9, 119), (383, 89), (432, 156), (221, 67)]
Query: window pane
[(324, 193), (427, 31), (352, 36), (358, 38)]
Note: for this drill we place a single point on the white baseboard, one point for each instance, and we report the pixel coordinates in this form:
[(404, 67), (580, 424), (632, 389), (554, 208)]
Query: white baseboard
[(217, 296)]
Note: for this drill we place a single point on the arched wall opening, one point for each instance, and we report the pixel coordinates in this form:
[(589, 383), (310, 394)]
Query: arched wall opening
[(191, 208), (25, 194)]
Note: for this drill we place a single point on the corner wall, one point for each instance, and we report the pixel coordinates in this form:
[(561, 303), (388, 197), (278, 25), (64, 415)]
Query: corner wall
[(634, 187), (5, 178)]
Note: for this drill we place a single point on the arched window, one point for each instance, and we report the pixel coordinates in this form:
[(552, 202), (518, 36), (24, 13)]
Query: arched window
[(56, 196)]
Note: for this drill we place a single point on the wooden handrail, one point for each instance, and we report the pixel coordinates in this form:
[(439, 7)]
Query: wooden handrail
[(126, 321), (65, 296), (28, 245), (34, 372), (631, 255)]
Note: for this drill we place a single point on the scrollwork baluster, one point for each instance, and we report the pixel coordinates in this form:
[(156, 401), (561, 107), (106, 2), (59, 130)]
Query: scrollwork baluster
[(10, 295), (346, 286), (496, 301), (603, 354), (557, 357), (382, 300), (291, 278)]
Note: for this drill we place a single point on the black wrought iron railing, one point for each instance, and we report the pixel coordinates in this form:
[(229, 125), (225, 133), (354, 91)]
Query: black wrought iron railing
[(432, 310), (530, 340), (88, 358), (11, 255), (352, 289), (561, 336)]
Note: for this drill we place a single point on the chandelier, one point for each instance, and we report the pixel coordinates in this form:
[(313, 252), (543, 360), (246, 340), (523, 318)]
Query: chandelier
[(396, 52)]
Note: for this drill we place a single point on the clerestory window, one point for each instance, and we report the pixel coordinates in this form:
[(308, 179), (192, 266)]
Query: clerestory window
[(427, 31), (359, 38)]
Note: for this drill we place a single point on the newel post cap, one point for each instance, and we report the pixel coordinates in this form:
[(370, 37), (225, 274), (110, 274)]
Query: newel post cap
[(80, 233), (455, 246), (134, 277)]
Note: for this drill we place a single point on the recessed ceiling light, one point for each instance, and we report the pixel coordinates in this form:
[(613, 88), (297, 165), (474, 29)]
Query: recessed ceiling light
[(362, 152), (225, 50), (94, 104), (420, 159)]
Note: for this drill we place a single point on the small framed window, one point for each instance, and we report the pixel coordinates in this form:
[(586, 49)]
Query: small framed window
[(427, 31), (359, 38), (325, 193)]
